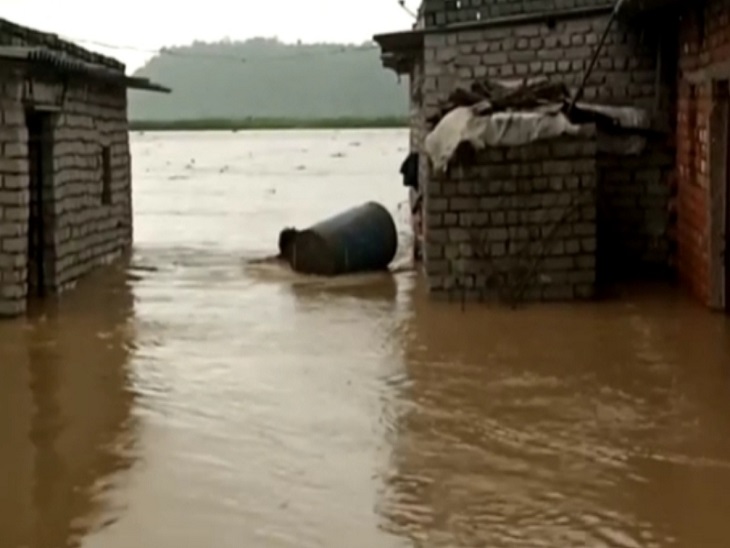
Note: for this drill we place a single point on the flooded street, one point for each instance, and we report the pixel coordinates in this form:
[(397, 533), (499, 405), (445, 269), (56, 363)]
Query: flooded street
[(195, 400)]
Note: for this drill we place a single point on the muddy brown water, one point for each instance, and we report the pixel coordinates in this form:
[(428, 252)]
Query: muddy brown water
[(193, 400)]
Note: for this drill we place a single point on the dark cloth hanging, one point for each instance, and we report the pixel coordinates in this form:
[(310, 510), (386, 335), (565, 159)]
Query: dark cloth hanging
[(409, 170)]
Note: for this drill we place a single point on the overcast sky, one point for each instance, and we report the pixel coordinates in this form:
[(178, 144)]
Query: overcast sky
[(151, 24)]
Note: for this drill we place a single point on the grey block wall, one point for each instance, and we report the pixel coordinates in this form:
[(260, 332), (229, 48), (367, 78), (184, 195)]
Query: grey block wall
[(520, 224), (81, 232), (625, 71), (14, 201), (88, 232), (636, 189)]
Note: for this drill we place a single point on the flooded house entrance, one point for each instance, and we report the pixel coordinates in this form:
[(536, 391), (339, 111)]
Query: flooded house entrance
[(40, 156), (719, 196), (722, 108), (726, 236)]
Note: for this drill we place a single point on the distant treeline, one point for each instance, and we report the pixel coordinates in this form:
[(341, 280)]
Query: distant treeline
[(263, 79), (203, 124)]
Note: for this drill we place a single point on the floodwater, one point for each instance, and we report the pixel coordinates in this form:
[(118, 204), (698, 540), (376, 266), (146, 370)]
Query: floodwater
[(193, 400)]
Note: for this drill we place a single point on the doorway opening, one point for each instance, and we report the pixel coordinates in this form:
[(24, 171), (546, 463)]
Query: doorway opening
[(40, 156), (719, 196), (725, 204), (720, 192)]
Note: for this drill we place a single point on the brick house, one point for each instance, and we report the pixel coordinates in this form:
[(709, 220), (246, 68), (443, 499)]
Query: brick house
[(65, 179), (486, 222), (702, 66)]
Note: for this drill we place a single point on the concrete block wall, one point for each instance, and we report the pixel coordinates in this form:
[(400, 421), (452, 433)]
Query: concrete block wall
[(445, 12), (519, 224), (625, 74), (14, 199), (87, 231), (81, 231)]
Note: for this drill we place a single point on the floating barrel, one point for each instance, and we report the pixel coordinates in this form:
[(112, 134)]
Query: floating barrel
[(360, 239)]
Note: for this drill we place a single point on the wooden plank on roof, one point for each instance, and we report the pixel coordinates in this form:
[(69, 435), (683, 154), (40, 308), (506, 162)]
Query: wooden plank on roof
[(411, 40), (144, 84)]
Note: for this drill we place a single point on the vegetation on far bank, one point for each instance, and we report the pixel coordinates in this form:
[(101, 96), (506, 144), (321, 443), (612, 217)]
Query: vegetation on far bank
[(264, 77), (213, 124)]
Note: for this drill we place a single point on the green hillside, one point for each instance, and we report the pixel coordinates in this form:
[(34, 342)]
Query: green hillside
[(266, 79)]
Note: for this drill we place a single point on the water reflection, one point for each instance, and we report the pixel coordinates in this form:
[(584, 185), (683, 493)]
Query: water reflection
[(66, 428), (595, 425), (380, 288)]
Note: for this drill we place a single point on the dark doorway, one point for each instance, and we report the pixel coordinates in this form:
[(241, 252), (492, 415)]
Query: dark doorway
[(40, 155), (720, 191), (726, 233)]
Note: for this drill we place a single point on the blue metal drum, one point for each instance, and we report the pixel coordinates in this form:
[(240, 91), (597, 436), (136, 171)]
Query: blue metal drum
[(361, 239)]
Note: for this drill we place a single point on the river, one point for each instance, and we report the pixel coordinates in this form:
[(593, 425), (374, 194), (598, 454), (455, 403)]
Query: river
[(190, 399)]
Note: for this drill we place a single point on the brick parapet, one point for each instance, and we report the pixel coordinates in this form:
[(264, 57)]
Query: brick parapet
[(518, 224)]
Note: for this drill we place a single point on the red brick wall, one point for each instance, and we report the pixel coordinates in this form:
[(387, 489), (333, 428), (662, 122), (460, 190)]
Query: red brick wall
[(704, 39), (693, 188)]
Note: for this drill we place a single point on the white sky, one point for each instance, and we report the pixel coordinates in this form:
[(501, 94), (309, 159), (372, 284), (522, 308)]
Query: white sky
[(152, 24)]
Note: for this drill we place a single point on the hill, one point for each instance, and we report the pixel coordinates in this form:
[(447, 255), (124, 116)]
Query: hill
[(264, 78)]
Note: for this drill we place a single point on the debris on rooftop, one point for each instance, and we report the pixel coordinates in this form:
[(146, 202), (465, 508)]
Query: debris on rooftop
[(493, 113)]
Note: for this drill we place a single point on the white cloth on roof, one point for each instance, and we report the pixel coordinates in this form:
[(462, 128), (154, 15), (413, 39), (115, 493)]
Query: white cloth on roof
[(498, 129)]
